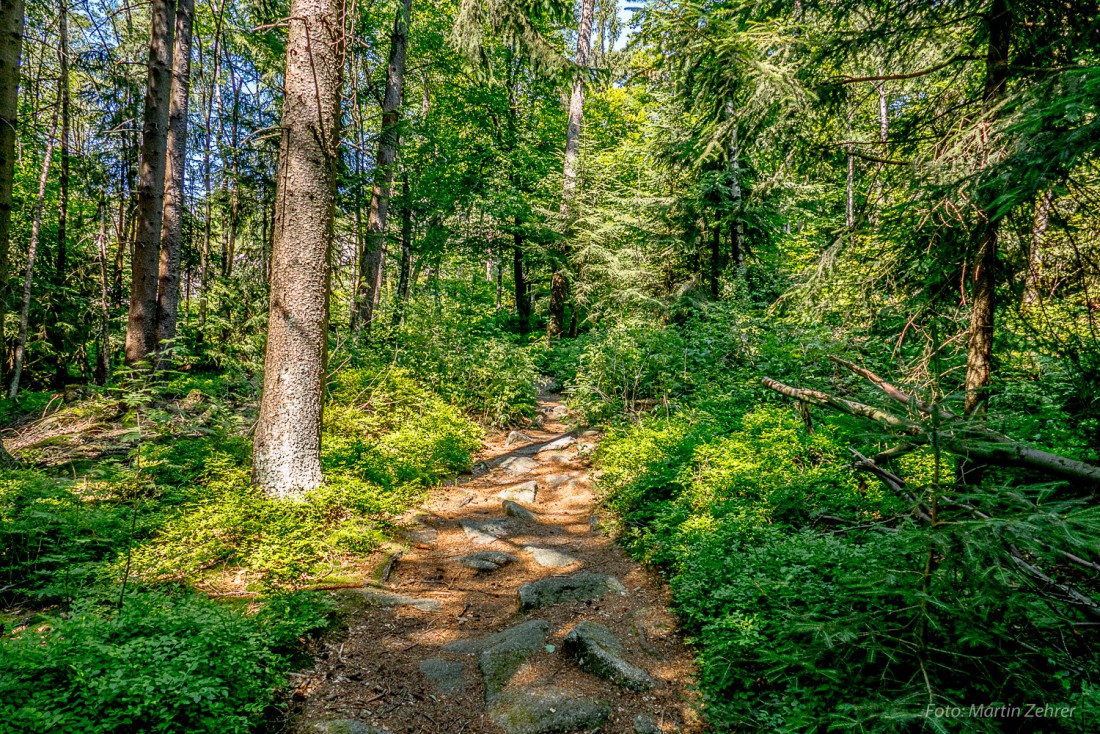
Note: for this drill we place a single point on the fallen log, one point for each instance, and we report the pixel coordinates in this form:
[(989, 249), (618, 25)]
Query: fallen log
[(955, 434)]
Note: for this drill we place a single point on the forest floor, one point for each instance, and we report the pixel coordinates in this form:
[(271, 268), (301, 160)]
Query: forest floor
[(413, 657)]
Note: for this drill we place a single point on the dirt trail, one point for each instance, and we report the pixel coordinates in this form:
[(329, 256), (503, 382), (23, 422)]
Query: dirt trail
[(376, 675)]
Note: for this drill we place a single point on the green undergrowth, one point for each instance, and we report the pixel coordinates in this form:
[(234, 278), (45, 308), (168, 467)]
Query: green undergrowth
[(170, 523), (813, 598)]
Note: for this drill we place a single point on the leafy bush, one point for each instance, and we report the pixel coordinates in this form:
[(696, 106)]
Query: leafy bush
[(164, 664)]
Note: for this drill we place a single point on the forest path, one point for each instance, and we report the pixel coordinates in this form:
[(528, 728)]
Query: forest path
[(414, 659)]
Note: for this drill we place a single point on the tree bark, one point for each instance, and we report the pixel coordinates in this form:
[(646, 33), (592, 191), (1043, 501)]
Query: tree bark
[(523, 302), (11, 47), (103, 367), (32, 252), (559, 286), (171, 241), (141, 331), (370, 272), (56, 332), (715, 260), (401, 295), (286, 458), (1035, 252), (979, 356)]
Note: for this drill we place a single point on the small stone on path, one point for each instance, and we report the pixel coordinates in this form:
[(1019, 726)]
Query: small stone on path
[(422, 536), (582, 586), (525, 492), (558, 459), (517, 437), (560, 444), (346, 726), (516, 465), (485, 560), (524, 711), (549, 557), (518, 511), (599, 652), (644, 724), (445, 676), (484, 532), (535, 629), (378, 598), (557, 480)]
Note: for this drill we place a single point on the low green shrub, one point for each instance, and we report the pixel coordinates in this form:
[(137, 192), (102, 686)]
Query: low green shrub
[(165, 663)]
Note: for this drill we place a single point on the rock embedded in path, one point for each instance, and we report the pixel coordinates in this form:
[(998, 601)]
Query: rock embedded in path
[(518, 511), (517, 437), (378, 598), (560, 444), (558, 459), (535, 629), (445, 676), (545, 711), (599, 652), (557, 480), (644, 724), (582, 586), (524, 493), (485, 560), (516, 465), (346, 726), (484, 532), (549, 557)]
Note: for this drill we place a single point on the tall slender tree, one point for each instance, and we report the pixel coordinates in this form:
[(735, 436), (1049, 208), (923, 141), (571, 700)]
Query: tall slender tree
[(286, 458), (558, 284), (141, 330), (370, 273), (171, 240), (11, 47), (56, 333), (979, 356)]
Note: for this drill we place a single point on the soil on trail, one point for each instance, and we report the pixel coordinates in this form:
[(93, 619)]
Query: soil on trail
[(373, 673)]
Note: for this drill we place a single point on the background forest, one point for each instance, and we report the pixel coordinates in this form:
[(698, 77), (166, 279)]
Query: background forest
[(825, 273)]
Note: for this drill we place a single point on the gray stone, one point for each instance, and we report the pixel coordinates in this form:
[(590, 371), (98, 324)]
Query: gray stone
[(485, 560), (445, 676), (559, 410), (546, 711), (644, 724), (517, 465), (549, 557), (517, 437), (484, 532), (590, 434), (560, 444), (525, 492), (582, 586), (599, 652), (535, 629), (346, 726), (557, 480), (518, 511), (422, 536), (557, 459), (378, 598)]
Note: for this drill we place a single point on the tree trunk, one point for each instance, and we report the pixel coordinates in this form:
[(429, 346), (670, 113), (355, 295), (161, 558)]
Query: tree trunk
[(11, 46), (55, 331), (523, 303), (171, 241), (715, 260), (401, 295), (737, 229), (1035, 251), (103, 367), (559, 286), (141, 331), (286, 457), (32, 251), (979, 356), (370, 272)]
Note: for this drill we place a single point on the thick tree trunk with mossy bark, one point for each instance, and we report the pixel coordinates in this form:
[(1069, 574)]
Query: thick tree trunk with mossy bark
[(286, 457), (11, 46), (141, 327), (559, 285), (171, 240), (979, 355), (370, 273)]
